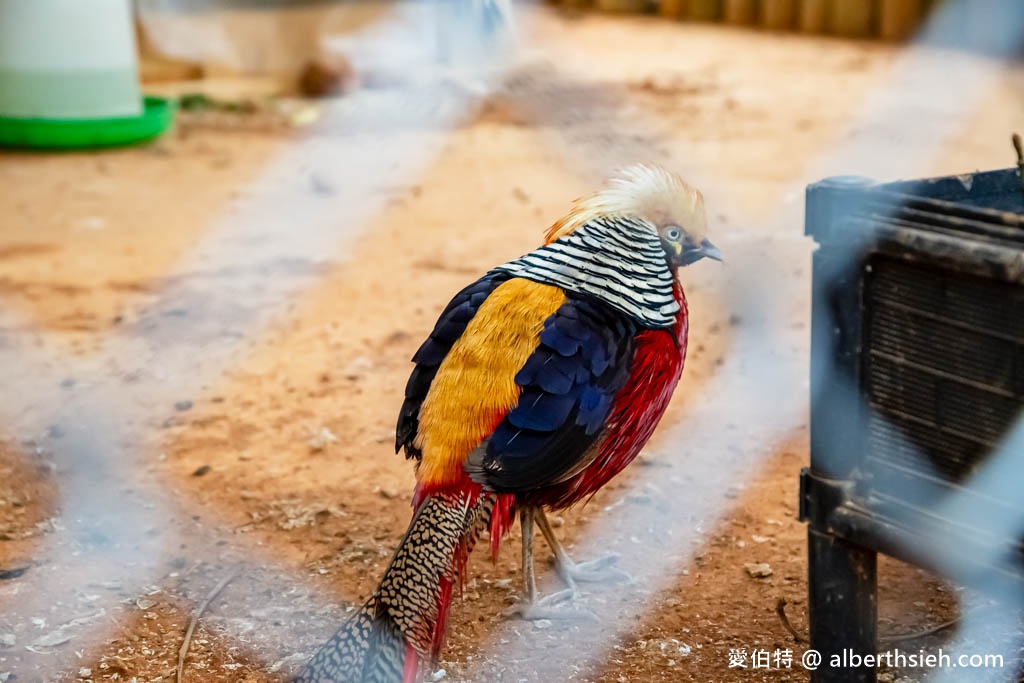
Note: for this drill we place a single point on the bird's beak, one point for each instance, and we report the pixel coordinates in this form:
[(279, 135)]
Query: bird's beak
[(710, 251), (704, 250)]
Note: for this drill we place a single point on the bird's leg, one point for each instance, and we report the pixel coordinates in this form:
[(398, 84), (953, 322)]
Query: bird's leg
[(600, 569), (529, 607), (529, 578)]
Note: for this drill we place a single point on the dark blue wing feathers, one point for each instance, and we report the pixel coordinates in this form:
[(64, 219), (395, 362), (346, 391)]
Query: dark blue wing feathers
[(567, 386), (553, 338), (542, 411)]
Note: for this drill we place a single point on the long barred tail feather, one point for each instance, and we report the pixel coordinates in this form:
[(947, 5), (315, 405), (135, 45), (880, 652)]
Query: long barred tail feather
[(401, 627)]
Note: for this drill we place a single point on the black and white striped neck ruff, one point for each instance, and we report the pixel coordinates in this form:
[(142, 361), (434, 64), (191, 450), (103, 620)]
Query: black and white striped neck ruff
[(617, 260)]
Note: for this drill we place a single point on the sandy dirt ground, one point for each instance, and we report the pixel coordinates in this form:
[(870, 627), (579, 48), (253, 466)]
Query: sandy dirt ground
[(271, 467)]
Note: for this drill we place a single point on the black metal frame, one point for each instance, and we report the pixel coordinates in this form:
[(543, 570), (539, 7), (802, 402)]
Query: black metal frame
[(945, 222)]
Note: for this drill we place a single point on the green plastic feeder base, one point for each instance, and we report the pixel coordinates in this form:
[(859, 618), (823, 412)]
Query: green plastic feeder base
[(156, 117)]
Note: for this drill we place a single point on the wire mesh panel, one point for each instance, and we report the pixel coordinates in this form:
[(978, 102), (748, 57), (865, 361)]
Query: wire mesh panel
[(943, 372)]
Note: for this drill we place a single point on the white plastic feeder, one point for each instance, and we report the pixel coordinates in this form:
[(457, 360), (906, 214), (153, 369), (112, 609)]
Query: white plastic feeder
[(68, 59)]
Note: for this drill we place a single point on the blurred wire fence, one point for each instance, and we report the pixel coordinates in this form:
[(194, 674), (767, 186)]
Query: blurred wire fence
[(254, 265)]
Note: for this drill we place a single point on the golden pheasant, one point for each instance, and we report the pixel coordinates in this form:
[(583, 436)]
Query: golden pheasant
[(540, 382)]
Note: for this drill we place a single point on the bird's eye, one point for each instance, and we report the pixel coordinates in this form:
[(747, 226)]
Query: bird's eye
[(673, 234)]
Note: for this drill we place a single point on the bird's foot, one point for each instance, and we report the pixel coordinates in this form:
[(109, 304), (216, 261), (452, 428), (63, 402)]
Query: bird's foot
[(599, 570), (560, 606)]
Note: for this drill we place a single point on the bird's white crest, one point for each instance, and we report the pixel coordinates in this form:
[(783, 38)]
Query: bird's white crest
[(648, 192)]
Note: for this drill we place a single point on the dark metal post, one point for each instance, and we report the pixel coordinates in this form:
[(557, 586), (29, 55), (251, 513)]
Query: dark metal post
[(843, 607), (842, 586)]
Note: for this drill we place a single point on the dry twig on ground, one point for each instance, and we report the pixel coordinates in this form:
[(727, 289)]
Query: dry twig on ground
[(180, 674)]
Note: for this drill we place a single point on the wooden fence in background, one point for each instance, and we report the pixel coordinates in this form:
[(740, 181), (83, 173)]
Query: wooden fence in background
[(886, 19)]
